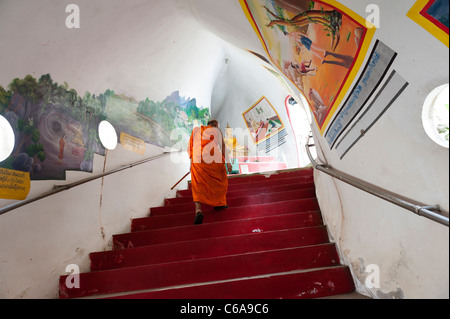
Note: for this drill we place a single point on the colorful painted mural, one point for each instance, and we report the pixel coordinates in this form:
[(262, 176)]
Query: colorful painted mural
[(318, 45), (432, 15), (57, 130), (262, 120)]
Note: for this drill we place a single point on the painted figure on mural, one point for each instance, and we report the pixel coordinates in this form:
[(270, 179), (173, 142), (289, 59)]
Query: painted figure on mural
[(209, 166), (305, 42), (319, 108), (303, 69), (62, 144)]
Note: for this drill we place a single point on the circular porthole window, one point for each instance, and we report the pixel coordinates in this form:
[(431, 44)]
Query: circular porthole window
[(7, 139), (108, 135), (435, 115)]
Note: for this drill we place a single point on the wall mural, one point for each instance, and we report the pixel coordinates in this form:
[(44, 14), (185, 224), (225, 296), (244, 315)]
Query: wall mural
[(56, 129), (262, 120), (318, 45), (433, 15)]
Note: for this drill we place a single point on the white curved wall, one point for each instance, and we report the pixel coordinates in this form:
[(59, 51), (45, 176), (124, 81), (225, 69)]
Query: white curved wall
[(396, 154), (141, 49), (40, 240), (241, 83), (410, 252)]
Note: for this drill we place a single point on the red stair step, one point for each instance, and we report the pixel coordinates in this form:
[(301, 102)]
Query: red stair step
[(237, 201), (232, 213), (198, 271), (207, 248), (246, 186), (270, 243), (249, 192), (236, 179), (298, 285), (218, 229)]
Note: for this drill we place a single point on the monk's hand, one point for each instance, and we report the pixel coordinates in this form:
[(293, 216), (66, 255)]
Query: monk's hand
[(229, 168)]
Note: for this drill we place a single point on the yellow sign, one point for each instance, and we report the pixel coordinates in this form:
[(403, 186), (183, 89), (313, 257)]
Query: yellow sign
[(14, 184), (132, 143)]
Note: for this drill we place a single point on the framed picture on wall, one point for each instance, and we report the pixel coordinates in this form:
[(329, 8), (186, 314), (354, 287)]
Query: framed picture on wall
[(433, 16), (262, 120)]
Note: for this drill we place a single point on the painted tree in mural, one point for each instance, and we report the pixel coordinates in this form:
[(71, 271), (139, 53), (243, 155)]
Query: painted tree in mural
[(34, 149), (5, 97), (29, 152), (174, 112), (331, 20)]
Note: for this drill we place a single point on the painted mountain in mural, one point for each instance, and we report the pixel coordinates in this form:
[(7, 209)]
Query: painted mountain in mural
[(56, 129)]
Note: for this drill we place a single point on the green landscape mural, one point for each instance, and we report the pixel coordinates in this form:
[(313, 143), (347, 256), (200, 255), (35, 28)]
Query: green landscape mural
[(56, 129)]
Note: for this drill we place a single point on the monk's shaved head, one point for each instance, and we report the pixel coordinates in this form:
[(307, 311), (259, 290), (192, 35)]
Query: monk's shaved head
[(213, 123)]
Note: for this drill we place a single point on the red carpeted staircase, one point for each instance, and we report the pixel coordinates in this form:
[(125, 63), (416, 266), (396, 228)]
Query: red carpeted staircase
[(269, 244)]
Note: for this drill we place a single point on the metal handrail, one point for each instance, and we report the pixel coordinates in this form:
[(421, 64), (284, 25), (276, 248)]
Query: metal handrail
[(60, 188), (429, 212)]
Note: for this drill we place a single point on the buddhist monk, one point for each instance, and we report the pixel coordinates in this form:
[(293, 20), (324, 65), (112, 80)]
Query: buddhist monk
[(208, 155), (62, 144)]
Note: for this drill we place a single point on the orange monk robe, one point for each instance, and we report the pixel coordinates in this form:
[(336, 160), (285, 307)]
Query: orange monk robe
[(208, 173)]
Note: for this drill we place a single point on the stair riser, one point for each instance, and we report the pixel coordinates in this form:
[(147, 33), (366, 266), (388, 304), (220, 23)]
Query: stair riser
[(208, 248), (184, 219), (237, 201), (188, 272), (308, 285), (220, 229), (266, 245), (246, 186), (262, 177), (250, 192)]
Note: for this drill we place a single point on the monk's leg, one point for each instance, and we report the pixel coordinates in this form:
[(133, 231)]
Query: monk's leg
[(198, 213), (198, 207)]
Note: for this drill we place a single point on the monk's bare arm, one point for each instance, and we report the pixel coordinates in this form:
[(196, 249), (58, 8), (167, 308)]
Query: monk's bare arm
[(225, 155)]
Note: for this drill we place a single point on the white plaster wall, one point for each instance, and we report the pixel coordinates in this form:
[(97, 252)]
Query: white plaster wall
[(244, 80), (39, 241), (143, 49), (396, 154), (411, 252), (224, 18), (152, 48)]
